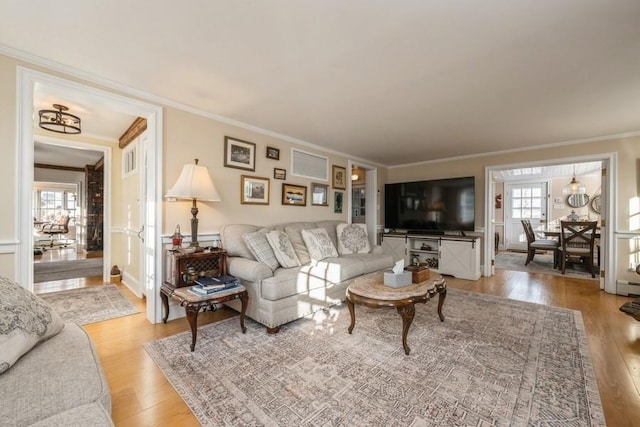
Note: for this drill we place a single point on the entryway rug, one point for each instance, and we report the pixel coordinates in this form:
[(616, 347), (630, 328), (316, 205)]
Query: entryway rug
[(492, 362), (541, 263), (62, 270), (90, 305)]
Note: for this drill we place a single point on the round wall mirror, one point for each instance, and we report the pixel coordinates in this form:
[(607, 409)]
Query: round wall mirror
[(595, 205), (577, 200)]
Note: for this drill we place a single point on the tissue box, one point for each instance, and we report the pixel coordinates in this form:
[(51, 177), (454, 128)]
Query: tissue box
[(418, 273), (397, 280)]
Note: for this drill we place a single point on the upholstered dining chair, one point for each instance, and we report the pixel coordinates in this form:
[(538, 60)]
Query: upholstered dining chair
[(577, 240), (534, 244), (56, 228)]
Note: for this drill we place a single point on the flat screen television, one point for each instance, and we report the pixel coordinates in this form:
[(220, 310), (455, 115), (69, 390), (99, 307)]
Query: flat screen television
[(434, 206)]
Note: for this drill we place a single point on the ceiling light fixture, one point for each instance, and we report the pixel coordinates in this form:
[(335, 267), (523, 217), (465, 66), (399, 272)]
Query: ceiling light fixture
[(354, 174), (574, 187), (59, 121)]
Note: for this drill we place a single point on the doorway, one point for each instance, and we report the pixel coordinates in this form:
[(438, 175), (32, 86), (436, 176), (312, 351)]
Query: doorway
[(27, 82), (363, 197)]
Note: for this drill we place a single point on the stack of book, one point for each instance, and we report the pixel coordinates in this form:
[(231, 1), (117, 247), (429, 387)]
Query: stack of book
[(210, 285)]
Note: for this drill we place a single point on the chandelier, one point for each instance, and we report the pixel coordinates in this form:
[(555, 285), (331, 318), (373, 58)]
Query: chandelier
[(59, 120), (574, 187)]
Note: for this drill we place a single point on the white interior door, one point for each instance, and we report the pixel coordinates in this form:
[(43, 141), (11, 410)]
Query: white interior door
[(524, 200)]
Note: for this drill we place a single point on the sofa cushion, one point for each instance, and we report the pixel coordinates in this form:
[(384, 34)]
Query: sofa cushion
[(232, 241), (319, 244), (283, 249), (59, 374), (353, 239), (294, 231), (331, 226), (261, 249), (25, 320)]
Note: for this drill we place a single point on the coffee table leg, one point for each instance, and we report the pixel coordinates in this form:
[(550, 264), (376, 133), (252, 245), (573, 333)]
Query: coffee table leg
[(352, 312), (406, 312), (192, 317), (244, 298), (441, 296)]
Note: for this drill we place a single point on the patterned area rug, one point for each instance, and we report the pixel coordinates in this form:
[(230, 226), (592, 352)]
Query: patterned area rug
[(492, 362), (61, 270), (541, 263), (90, 305)]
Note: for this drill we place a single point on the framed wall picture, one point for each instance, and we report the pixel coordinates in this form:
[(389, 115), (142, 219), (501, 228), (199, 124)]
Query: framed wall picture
[(254, 190), (337, 201), (273, 153), (294, 195), (279, 173), (319, 194), (239, 154), (338, 177)]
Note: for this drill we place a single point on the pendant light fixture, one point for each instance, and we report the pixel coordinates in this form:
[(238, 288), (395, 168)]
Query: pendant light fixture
[(59, 120), (574, 187)]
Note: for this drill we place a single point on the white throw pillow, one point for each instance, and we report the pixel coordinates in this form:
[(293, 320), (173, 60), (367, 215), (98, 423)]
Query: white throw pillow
[(352, 239), (283, 249), (260, 248), (319, 244), (25, 320)]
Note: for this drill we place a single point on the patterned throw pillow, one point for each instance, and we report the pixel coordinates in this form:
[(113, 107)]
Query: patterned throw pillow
[(260, 248), (25, 320), (282, 247), (319, 244), (352, 239)]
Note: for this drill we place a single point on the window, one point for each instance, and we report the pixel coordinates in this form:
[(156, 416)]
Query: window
[(130, 159), (50, 204), (309, 165)]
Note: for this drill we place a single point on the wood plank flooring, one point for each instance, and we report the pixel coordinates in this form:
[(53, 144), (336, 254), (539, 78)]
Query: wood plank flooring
[(143, 397)]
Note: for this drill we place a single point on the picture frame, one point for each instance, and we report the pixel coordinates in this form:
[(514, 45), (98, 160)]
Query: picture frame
[(338, 197), (273, 153), (338, 177), (239, 154), (294, 195), (319, 194), (254, 190), (279, 173)]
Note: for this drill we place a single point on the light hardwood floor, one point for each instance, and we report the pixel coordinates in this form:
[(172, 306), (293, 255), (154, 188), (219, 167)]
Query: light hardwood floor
[(143, 397)]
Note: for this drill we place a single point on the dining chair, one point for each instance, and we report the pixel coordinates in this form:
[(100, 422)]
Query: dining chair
[(577, 240), (534, 244)]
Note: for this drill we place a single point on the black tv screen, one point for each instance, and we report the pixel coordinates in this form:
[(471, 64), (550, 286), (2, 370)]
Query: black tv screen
[(442, 205)]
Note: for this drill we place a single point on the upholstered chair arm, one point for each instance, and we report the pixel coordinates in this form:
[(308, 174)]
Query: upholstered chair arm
[(247, 269)]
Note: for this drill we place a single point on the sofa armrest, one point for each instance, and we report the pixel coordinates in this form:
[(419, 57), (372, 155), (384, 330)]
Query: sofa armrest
[(248, 269)]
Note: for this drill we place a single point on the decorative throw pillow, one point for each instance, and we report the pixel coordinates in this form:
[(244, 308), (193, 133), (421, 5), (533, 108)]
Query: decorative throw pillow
[(319, 244), (25, 320), (260, 248), (352, 239), (283, 249)]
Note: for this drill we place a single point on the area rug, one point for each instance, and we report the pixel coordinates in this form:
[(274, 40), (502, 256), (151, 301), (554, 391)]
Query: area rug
[(541, 263), (492, 362), (90, 305), (61, 270)]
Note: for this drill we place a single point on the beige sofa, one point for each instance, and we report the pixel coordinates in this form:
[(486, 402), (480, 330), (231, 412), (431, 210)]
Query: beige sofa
[(280, 295), (50, 372)]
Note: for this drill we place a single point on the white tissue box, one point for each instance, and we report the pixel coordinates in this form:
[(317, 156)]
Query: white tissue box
[(397, 280)]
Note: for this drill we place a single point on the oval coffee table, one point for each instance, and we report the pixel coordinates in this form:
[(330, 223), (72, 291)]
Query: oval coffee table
[(369, 290)]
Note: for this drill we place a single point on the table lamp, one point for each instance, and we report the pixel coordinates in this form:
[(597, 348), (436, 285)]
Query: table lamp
[(194, 183)]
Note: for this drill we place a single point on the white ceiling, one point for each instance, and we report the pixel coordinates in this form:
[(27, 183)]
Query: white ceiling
[(392, 82)]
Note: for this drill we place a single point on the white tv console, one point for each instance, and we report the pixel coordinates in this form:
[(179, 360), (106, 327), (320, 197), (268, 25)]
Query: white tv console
[(458, 256)]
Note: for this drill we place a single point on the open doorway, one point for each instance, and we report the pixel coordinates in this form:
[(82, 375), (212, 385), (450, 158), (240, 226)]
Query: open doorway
[(28, 83), (363, 197)]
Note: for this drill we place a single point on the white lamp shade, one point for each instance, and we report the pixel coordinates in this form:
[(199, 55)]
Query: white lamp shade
[(194, 182)]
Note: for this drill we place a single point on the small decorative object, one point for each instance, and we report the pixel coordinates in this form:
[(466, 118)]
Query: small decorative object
[(239, 154), (499, 201), (339, 180), (279, 173), (337, 202), (255, 190), (596, 204), (419, 273), (319, 194), (116, 274), (573, 216), (273, 153), (176, 238), (397, 277), (415, 260), (294, 195), (425, 247)]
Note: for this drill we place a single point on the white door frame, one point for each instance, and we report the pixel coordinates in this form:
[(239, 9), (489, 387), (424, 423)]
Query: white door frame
[(26, 81), (608, 283)]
